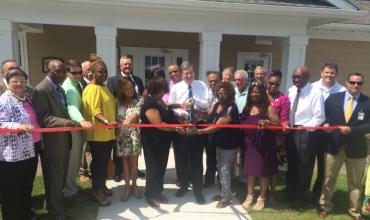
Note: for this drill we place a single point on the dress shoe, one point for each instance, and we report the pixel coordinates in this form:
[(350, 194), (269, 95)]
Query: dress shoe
[(140, 174), (200, 198), (260, 204), (322, 213), (357, 217), (126, 194), (107, 192), (117, 178), (162, 199), (101, 198), (181, 192), (136, 192), (248, 201), (153, 203)]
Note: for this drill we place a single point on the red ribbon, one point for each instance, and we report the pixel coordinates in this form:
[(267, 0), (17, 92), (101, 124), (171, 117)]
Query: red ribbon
[(271, 127)]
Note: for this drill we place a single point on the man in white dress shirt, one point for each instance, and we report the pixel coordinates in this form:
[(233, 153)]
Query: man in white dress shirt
[(191, 101), (307, 109), (327, 85)]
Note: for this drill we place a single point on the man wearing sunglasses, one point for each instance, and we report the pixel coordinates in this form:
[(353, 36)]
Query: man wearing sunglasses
[(327, 85), (73, 91), (350, 110)]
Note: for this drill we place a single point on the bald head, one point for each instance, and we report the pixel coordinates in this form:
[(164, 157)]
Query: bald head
[(57, 71), (301, 76)]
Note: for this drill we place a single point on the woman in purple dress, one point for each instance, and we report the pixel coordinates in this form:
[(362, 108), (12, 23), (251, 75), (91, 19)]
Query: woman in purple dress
[(259, 144), (281, 103)]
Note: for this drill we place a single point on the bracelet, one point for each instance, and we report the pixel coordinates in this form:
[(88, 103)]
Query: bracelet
[(106, 121)]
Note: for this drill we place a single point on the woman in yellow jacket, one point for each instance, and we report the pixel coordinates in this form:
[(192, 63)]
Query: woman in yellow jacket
[(99, 107)]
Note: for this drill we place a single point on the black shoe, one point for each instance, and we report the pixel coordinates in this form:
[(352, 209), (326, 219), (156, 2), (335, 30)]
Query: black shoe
[(162, 199), (181, 192), (200, 198), (208, 184), (117, 178), (140, 174)]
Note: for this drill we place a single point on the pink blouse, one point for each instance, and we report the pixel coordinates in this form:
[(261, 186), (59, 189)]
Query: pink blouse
[(36, 137), (282, 107)]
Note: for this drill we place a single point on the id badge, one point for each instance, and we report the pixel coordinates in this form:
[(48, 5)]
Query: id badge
[(360, 116)]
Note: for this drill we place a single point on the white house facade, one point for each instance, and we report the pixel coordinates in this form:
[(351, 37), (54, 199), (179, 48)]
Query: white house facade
[(209, 33)]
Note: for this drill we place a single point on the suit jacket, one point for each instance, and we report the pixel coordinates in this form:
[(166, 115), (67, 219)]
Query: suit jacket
[(83, 83), (114, 80), (354, 143), (51, 113)]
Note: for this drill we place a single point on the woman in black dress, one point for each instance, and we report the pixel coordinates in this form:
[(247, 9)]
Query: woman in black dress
[(156, 141)]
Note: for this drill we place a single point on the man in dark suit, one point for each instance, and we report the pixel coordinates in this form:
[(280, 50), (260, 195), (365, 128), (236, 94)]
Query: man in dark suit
[(350, 110), (125, 65), (50, 104)]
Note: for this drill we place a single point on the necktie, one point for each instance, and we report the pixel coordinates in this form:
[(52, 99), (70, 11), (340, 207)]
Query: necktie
[(349, 107), (191, 111), (61, 97), (294, 108), (79, 88)]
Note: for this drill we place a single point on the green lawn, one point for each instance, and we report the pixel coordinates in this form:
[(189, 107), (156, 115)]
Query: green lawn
[(81, 211), (281, 211)]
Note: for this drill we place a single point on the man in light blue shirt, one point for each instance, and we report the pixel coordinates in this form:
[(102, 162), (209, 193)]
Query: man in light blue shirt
[(241, 89)]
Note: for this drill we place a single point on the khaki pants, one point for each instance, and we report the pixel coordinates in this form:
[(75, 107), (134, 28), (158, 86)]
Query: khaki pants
[(355, 171)]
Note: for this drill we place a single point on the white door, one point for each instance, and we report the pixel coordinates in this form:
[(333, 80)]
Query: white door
[(249, 61), (145, 59)]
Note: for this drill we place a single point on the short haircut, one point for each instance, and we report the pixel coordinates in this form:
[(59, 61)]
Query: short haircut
[(230, 68), (330, 66), (260, 67), (213, 72), (243, 73), (15, 72), (72, 63), (356, 74), (125, 58), (186, 65), (7, 61), (276, 73)]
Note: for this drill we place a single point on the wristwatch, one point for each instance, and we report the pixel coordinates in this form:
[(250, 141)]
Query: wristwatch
[(106, 121)]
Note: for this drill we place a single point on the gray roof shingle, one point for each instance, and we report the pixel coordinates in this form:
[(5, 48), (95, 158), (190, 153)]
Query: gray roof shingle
[(363, 5)]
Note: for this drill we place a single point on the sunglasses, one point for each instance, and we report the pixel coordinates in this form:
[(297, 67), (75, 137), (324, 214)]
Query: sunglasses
[(76, 73), (354, 83), (274, 84)]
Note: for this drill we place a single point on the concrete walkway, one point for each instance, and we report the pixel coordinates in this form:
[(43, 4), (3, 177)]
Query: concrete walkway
[(178, 208)]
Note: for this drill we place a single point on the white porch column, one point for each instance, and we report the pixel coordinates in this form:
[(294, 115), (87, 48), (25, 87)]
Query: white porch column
[(294, 55), (209, 58), (106, 46), (9, 46)]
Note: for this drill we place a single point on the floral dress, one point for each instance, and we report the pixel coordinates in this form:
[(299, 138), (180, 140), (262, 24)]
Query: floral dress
[(128, 138)]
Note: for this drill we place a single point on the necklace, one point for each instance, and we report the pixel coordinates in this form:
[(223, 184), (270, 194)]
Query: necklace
[(19, 98)]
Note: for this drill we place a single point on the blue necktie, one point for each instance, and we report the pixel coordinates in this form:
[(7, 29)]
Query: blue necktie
[(61, 97), (191, 111)]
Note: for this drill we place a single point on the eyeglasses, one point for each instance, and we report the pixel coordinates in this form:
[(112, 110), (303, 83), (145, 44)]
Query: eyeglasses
[(354, 83), (274, 84), (76, 73), (19, 83), (255, 84)]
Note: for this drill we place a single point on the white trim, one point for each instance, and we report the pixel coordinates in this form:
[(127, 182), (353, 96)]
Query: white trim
[(343, 26), (23, 49), (339, 35), (241, 55)]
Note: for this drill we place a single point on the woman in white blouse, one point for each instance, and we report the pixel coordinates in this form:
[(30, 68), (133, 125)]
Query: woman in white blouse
[(17, 154)]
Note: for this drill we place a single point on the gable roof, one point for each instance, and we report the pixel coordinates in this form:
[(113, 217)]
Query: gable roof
[(363, 5), (296, 3)]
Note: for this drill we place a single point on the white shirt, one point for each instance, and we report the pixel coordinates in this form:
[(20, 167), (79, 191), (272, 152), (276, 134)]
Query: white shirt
[(326, 91), (241, 99), (179, 93), (5, 82), (310, 108)]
